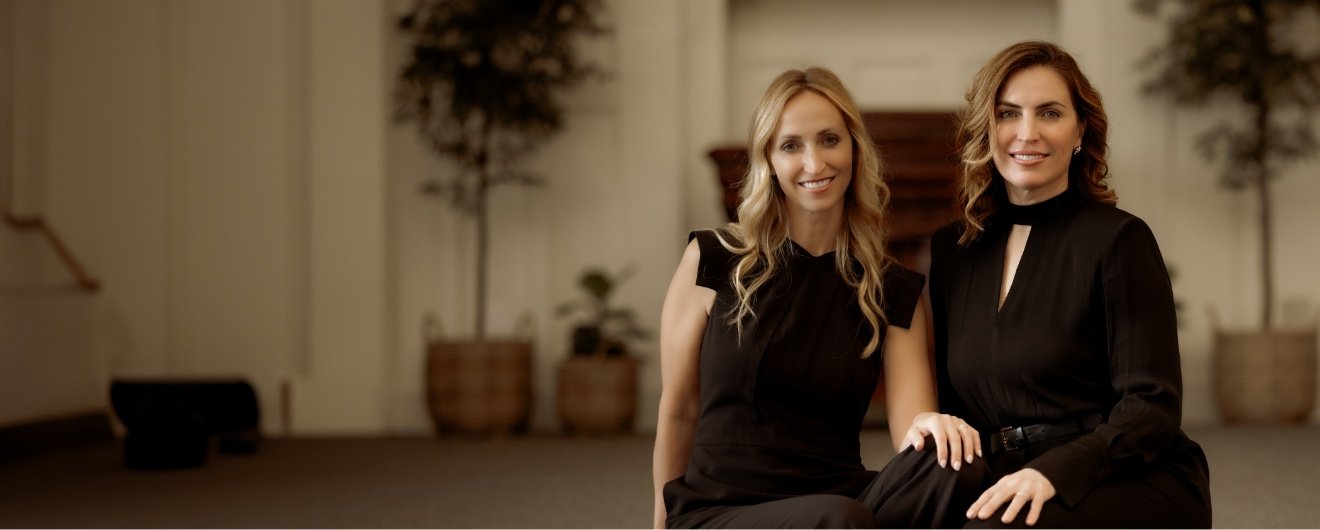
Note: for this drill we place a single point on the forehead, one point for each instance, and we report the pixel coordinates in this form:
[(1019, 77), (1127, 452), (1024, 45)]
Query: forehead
[(808, 112), (1035, 84)]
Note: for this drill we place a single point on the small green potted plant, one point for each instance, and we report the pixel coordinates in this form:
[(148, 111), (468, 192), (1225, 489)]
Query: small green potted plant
[(606, 328), (598, 380)]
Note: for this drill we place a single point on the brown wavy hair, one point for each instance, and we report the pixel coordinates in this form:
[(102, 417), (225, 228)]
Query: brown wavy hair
[(981, 181), (760, 237)]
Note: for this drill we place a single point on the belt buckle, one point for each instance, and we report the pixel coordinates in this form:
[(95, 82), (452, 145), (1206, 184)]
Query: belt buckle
[(1012, 439)]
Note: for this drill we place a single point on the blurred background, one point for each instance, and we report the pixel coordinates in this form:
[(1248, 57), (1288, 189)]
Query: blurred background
[(237, 200), (225, 214)]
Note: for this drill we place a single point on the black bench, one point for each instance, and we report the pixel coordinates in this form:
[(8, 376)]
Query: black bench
[(170, 422)]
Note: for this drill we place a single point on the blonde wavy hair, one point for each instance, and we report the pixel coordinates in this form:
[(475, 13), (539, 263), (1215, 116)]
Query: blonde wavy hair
[(981, 181), (760, 237)]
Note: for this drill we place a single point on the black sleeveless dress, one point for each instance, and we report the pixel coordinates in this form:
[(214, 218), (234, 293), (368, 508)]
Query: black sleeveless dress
[(781, 410)]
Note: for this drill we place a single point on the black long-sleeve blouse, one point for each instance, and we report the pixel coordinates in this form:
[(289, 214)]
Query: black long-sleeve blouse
[(1088, 326)]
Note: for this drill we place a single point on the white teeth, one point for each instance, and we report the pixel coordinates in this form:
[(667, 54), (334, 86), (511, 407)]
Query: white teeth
[(1028, 157), (816, 184)]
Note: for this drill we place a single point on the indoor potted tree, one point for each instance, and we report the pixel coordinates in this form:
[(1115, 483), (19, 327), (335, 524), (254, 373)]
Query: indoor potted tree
[(598, 381), (480, 83), (1242, 52)]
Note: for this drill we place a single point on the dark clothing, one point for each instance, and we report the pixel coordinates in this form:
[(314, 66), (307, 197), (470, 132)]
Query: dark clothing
[(1154, 498), (781, 411), (1088, 327), (912, 491)]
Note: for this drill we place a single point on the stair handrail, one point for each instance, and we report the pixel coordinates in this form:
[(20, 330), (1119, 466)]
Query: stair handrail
[(30, 223)]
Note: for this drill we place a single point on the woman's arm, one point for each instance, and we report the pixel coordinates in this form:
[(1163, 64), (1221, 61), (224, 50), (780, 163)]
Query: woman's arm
[(943, 247), (682, 323), (909, 389), (910, 397), (1144, 369)]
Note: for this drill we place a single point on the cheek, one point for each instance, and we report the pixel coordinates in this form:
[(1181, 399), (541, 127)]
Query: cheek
[(842, 160), (1072, 138), (845, 160), (1003, 137), (784, 167)]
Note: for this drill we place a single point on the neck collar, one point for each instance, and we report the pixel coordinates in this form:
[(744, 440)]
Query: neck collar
[(1041, 212)]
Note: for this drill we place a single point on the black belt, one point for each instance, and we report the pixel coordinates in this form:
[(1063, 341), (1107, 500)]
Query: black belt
[(1011, 439)]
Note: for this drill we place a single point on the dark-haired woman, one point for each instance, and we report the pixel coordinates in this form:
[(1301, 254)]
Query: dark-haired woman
[(1054, 323)]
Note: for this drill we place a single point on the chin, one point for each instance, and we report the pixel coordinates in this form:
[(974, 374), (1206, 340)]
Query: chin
[(1030, 182)]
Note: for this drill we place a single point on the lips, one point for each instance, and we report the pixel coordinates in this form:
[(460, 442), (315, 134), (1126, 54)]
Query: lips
[(816, 184), (1027, 158)]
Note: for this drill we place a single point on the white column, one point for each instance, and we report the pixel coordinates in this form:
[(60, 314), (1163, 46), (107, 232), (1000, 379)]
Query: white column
[(651, 74), (341, 387), (705, 58)]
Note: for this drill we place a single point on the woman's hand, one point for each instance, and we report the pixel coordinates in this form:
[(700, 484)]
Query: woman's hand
[(953, 436), (1024, 486)]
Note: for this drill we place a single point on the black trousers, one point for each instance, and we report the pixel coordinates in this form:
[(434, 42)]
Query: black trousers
[(912, 491), (1152, 498)]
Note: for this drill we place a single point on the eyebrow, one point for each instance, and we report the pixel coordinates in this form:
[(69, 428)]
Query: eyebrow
[(1016, 106), (830, 130)]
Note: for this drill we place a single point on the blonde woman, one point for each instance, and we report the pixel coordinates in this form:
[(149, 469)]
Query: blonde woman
[(775, 332), (1054, 324)]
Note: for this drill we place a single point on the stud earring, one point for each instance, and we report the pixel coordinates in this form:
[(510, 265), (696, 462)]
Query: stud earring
[(1077, 150)]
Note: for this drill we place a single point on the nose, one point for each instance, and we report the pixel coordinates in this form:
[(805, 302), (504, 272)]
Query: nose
[(1026, 129), (811, 162)]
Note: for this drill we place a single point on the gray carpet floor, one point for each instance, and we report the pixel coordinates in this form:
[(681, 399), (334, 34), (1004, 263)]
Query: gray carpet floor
[(1261, 478)]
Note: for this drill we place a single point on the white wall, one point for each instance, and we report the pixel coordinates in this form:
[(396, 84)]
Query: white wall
[(50, 367), (214, 164), (892, 54), (45, 322), (344, 365)]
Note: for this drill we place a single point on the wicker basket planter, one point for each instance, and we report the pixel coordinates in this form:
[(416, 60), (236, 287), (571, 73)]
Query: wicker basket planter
[(1265, 376), (479, 386), (598, 394)]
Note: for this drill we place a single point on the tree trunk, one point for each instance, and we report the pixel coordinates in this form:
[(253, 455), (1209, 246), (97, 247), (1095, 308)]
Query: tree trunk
[(1266, 253), (483, 250), (1261, 41), (482, 215)]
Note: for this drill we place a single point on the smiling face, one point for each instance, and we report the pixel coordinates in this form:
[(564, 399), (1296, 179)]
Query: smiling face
[(811, 154), (1036, 130)]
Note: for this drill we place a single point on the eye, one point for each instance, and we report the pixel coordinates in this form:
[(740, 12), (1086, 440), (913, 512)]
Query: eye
[(789, 147), (1007, 113), (1052, 114), (830, 140)]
